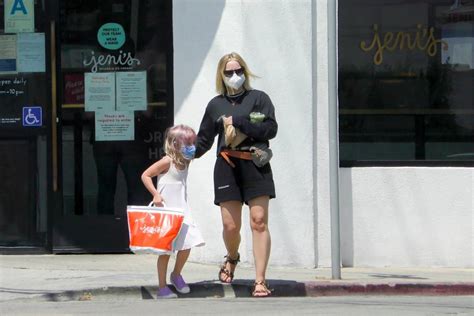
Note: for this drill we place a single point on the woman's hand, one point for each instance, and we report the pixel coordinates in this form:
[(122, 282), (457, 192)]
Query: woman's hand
[(158, 200), (228, 120)]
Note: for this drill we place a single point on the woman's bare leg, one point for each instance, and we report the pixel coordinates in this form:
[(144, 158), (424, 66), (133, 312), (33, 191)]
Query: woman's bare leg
[(260, 235), (231, 212)]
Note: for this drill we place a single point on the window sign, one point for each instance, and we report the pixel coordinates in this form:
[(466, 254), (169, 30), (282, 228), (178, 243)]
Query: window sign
[(32, 116), (13, 87), (19, 16), (109, 61), (31, 52), (119, 55), (423, 39), (131, 91), (111, 36), (114, 125), (13, 93), (74, 88), (8, 54), (99, 91)]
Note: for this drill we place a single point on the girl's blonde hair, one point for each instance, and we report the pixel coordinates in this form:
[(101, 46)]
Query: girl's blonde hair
[(220, 85), (175, 138)]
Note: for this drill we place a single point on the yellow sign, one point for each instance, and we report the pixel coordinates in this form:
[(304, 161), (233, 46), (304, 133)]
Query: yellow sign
[(424, 40)]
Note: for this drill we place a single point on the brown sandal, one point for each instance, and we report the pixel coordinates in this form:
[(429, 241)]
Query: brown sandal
[(227, 273), (265, 292)]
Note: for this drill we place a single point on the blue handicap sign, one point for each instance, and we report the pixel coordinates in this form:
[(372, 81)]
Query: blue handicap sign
[(32, 116)]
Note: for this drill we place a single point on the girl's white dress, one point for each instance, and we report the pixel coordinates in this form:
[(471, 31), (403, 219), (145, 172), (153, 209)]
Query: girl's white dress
[(172, 188)]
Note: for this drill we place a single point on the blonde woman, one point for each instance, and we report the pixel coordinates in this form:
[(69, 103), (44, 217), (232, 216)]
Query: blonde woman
[(237, 179)]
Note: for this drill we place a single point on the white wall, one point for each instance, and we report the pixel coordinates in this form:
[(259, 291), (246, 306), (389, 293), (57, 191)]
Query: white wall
[(407, 217), (389, 216), (274, 37)]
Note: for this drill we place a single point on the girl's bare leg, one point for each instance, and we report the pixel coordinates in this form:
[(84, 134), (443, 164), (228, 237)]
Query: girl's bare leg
[(162, 266), (181, 258)]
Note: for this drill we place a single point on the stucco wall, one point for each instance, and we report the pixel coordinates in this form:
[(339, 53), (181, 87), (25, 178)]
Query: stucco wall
[(389, 216), (407, 217), (274, 37)]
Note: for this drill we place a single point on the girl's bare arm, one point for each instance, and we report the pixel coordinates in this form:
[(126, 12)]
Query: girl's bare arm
[(155, 170)]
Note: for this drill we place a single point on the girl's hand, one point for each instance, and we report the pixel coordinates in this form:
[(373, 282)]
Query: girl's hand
[(158, 200)]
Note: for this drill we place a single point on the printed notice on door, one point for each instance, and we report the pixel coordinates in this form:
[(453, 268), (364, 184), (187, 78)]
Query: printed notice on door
[(19, 16), (7, 54), (131, 91), (99, 91), (31, 52), (114, 125)]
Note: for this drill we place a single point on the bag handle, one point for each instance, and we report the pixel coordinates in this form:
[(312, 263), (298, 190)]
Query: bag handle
[(151, 204)]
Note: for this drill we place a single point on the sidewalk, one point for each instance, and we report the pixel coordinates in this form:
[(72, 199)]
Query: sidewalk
[(127, 276)]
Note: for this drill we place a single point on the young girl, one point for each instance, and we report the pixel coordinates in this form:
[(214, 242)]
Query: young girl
[(172, 172)]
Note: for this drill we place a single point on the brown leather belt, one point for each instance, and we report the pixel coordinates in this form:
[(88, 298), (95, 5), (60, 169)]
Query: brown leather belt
[(246, 155)]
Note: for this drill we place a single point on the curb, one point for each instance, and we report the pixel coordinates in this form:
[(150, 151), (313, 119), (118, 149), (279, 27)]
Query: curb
[(438, 288), (244, 289)]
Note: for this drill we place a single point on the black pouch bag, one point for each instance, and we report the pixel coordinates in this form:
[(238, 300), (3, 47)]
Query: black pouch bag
[(261, 154)]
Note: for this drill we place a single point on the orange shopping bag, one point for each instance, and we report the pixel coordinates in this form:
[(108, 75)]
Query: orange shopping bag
[(153, 229)]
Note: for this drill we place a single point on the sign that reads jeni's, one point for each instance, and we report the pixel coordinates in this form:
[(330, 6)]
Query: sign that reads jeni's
[(424, 40), (112, 37)]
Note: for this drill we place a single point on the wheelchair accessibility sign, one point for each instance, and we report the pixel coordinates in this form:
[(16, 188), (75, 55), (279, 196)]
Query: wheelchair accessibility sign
[(32, 116)]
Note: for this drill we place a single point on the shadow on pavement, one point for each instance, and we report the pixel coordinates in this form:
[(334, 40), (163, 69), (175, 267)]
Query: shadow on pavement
[(238, 288)]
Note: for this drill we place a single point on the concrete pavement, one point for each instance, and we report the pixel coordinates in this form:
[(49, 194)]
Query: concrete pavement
[(128, 276)]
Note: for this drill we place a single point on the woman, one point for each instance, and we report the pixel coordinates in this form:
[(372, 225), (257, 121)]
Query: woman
[(237, 179)]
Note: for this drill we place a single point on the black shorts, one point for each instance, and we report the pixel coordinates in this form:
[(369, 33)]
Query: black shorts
[(242, 183)]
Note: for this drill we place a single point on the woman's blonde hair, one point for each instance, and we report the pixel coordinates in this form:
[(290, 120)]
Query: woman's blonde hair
[(175, 138), (220, 85)]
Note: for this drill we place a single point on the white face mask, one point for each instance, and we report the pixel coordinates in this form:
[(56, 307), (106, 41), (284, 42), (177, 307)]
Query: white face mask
[(235, 82)]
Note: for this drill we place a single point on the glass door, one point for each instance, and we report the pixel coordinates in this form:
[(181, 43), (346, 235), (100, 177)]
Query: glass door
[(115, 101), (25, 126)]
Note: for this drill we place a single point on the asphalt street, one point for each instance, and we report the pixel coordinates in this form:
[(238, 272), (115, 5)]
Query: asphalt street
[(340, 305)]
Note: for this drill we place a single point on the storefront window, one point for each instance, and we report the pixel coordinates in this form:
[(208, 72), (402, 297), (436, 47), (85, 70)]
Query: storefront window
[(406, 79)]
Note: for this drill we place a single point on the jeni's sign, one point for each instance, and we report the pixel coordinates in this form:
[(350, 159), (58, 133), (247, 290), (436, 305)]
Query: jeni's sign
[(423, 39), (111, 36)]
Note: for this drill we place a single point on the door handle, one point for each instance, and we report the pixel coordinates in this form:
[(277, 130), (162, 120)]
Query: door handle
[(54, 121)]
